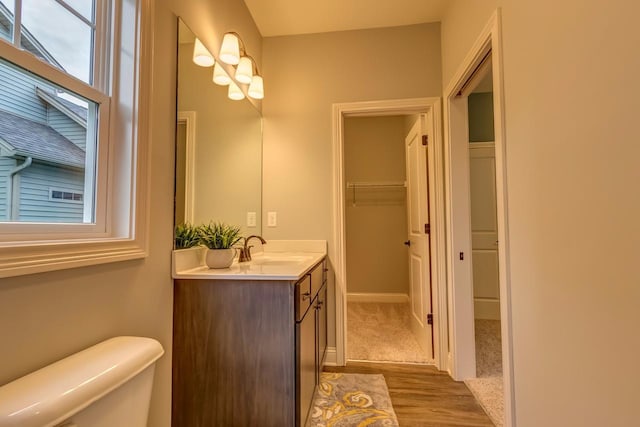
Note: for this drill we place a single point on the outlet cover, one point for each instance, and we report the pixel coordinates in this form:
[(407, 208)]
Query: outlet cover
[(272, 219), (251, 219)]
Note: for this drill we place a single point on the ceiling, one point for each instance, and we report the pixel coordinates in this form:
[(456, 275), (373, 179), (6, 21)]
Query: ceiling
[(287, 17)]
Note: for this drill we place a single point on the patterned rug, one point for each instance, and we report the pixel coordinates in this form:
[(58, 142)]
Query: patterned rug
[(352, 400)]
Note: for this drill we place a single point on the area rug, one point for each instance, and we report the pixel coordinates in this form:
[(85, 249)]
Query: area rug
[(352, 400), (381, 332)]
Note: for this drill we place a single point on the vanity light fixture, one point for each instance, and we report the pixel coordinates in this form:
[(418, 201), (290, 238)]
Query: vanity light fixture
[(201, 56), (220, 76), (256, 88), (230, 49), (233, 52), (234, 92), (244, 71)]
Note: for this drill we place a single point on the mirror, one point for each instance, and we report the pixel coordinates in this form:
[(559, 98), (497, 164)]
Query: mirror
[(218, 148)]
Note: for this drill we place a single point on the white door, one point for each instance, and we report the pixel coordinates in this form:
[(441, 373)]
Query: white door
[(484, 230), (417, 151)]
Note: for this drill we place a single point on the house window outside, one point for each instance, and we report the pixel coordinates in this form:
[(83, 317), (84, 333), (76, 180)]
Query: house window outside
[(66, 196), (51, 110)]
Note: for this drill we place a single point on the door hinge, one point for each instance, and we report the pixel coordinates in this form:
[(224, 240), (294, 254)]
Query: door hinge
[(425, 139), (427, 229), (430, 319)]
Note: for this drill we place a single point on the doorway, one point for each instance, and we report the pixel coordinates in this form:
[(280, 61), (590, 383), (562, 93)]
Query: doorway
[(487, 384), (388, 282), (409, 107), (464, 244)]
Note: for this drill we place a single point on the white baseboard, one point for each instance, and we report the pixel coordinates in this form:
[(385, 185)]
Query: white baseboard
[(330, 357), (485, 308), (371, 297)]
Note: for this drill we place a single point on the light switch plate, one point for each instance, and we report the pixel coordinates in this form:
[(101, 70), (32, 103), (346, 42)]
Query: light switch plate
[(251, 219), (272, 219)]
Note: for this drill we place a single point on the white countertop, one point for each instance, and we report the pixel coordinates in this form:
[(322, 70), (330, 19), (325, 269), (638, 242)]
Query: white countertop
[(279, 260)]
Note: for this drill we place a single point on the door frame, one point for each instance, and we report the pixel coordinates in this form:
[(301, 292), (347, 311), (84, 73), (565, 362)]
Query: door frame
[(189, 120), (460, 288), (338, 248)]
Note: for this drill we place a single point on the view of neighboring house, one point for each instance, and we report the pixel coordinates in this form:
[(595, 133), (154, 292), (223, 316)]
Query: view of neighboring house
[(42, 143)]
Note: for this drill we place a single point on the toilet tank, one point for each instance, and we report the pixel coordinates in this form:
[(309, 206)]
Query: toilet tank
[(106, 385)]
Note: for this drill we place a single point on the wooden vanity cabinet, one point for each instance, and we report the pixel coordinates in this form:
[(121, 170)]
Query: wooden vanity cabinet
[(247, 352)]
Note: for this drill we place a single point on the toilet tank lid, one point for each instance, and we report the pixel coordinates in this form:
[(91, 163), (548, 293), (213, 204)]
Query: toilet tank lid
[(50, 395)]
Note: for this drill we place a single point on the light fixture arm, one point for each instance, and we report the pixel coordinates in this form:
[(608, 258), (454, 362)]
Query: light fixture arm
[(243, 52)]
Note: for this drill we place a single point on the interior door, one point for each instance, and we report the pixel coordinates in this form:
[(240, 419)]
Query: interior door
[(484, 230), (417, 151)]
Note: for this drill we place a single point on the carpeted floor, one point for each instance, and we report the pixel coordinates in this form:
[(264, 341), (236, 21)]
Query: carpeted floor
[(347, 400), (381, 332), (487, 387)]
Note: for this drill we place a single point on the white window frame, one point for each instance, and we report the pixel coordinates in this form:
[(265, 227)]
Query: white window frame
[(119, 232)]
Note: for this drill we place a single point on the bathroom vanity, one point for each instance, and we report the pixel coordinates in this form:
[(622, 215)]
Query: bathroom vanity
[(249, 341)]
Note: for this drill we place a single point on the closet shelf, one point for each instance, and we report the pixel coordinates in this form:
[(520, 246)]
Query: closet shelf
[(377, 184)]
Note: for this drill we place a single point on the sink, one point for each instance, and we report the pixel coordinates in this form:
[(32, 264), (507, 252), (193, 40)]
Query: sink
[(280, 259)]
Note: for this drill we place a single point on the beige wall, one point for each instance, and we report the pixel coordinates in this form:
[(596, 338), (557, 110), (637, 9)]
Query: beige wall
[(45, 317), (376, 219), (304, 76), (228, 147), (570, 72)]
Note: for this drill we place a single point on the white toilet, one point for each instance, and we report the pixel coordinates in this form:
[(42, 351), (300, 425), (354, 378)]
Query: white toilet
[(107, 385)]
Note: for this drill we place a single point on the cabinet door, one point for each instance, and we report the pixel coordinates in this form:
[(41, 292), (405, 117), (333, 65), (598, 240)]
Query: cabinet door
[(321, 328), (306, 364)]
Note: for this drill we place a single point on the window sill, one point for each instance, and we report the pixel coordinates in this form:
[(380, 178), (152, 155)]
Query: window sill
[(56, 255)]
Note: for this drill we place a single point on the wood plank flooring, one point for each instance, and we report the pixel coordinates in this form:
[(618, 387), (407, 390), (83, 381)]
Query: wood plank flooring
[(422, 396)]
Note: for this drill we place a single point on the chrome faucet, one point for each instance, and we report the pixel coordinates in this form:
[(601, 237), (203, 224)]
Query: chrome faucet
[(245, 251)]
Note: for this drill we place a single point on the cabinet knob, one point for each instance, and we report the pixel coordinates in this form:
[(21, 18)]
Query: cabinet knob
[(306, 296)]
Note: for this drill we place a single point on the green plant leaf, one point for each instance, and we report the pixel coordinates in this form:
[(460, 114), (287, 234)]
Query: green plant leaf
[(186, 236), (218, 235)]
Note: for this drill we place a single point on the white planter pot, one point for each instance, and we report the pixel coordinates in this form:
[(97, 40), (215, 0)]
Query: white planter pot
[(220, 258)]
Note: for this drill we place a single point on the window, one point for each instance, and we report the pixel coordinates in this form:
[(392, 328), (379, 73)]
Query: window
[(72, 140), (66, 196), (50, 130)]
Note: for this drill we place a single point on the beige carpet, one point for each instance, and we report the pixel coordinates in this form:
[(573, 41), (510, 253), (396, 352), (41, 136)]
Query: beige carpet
[(350, 400), (487, 387), (381, 332)]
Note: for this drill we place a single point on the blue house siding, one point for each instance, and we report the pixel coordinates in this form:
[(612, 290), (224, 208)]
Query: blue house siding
[(18, 94), (67, 127), (6, 164), (35, 184)]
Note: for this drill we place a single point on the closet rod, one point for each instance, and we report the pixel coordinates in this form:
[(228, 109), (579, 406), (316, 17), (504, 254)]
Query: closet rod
[(376, 184)]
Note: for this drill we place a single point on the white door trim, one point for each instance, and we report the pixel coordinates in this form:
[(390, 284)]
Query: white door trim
[(461, 291), (189, 119), (338, 249)]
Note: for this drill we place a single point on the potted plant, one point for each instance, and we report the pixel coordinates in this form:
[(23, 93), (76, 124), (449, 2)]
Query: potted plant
[(186, 236), (219, 238)]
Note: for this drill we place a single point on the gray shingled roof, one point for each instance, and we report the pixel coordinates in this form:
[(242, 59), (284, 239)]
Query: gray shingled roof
[(32, 139)]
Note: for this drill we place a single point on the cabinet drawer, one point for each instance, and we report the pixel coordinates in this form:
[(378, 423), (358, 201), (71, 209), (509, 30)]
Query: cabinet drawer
[(302, 296), (317, 278)]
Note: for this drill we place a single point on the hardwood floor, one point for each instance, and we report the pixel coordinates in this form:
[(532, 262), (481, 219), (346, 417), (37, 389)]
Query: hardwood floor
[(423, 396)]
